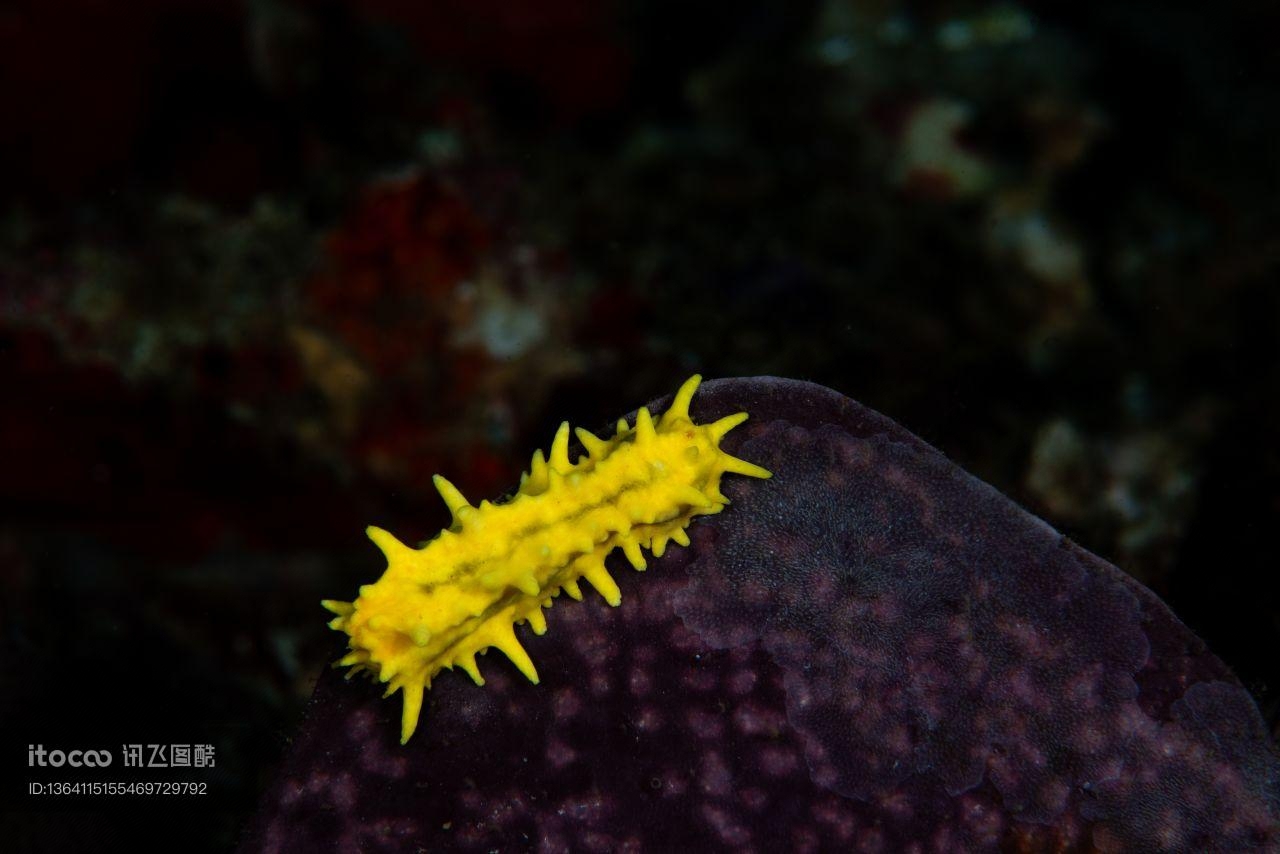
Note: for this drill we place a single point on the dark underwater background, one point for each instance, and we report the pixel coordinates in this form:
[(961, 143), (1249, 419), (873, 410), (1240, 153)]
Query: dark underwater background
[(267, 266)]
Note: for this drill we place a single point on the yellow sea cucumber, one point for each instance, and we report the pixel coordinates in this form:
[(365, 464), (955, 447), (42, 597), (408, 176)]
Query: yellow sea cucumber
[(500, 564)]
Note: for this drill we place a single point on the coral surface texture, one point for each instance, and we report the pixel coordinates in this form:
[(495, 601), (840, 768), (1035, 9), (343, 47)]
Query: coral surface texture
[(872, 651)]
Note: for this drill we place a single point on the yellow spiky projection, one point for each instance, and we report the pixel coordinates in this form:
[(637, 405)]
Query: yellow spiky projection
[(500, 564)]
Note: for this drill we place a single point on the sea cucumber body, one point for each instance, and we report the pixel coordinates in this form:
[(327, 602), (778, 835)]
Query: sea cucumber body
[(500, 564)]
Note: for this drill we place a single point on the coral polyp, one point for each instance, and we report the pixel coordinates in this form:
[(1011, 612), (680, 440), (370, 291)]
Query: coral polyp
[(501, 564)]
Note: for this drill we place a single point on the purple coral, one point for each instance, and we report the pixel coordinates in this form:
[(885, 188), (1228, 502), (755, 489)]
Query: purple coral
[(871, 652)]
